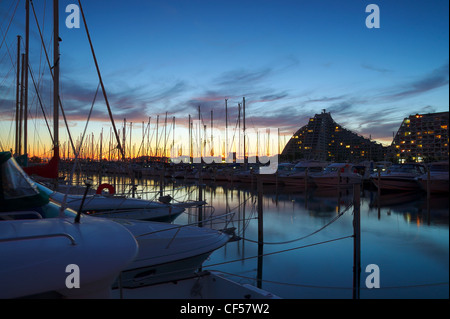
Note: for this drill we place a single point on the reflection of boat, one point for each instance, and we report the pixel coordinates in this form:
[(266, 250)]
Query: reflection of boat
[(36, 249), (168, 252), (298, 175), (337, 175), (438, 178), (399, 177), (397, 198), (117, 206)]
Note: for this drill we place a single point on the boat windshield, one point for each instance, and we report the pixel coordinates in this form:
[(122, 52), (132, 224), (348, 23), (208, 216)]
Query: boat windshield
[(332, 168), (407, 168), (439, 168), (15, 183), (17, 190)]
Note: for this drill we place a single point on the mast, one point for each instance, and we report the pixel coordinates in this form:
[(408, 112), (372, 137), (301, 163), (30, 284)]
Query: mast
[(243, 109), (124, 139), (17, 96), (55, 78), (165, 136), (212, 140), (21, 104), (157, 140), (199, 133), (27, 49), (226, 129), (190, 140), (173, 137), (238, 153), (131, 147)]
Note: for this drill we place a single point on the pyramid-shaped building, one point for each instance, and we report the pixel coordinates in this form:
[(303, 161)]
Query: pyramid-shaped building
[(323, 139)]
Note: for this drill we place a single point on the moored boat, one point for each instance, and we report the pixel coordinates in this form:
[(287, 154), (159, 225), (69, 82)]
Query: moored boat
[(298, 177), (436, 179), (399, 177), (337, 175), (39, 243), (168, 252), (115, 206)]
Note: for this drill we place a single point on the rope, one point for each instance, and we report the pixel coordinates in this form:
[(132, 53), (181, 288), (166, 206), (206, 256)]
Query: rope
[(280, 251), (303, 237), (335, 287)]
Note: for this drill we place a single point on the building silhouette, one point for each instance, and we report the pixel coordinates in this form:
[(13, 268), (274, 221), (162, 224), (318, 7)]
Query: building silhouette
[(324, 139)]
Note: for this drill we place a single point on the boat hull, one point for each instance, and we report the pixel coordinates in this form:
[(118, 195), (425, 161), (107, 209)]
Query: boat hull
[(436, 185), (35, 255), (396, 183), (336, 181), (168, 252)]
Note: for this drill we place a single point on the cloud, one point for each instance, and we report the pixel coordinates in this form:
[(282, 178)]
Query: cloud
[(436, 79), (325, 99), (375, 68), (242, 77)]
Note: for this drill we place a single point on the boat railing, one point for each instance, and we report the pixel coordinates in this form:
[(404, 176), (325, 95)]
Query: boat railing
[(178, 227), (72, 240)]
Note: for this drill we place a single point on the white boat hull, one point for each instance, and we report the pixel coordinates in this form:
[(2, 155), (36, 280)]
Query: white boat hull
[(168, 252), (396, 183), (336, 181), (36, 252), (117, 206)]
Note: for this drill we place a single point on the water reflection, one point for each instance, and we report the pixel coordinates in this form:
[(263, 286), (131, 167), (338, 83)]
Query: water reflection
[(405, 234)]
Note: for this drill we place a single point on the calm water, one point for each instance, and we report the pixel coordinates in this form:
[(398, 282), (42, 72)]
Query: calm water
[(404, 235)]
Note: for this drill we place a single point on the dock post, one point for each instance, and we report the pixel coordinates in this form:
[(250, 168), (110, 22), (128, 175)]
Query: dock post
[(356, 241), (200, 197), (260, 230)]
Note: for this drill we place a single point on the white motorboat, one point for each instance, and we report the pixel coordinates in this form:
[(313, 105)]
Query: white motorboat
[(168, 252), (437, 178), (401, 177), (41, 249), (337, 175), (299, 175), (115, 206)]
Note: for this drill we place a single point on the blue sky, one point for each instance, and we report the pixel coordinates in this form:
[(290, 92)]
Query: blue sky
[(290, 59)]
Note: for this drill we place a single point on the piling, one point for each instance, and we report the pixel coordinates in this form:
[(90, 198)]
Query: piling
[(260, 230), (356, 241)]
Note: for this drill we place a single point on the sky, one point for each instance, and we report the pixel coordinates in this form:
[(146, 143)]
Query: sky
[(290, 59)]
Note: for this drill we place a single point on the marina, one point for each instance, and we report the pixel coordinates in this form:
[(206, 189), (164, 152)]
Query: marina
[(224, 178), (308, 245)]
